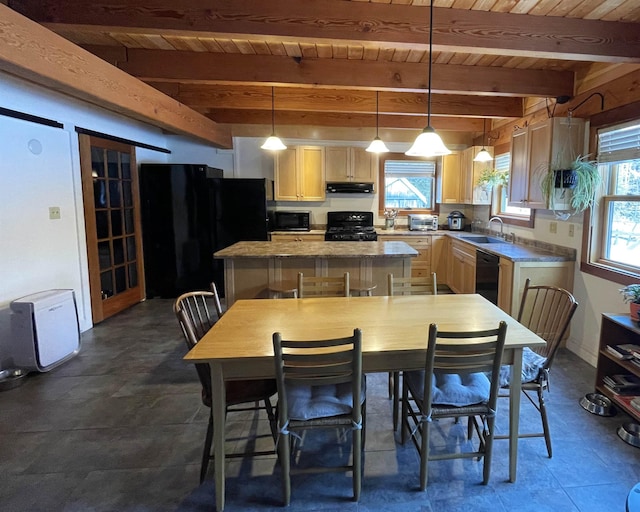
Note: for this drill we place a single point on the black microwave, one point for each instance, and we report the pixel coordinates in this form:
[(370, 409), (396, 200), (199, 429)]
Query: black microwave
[(290, 220)]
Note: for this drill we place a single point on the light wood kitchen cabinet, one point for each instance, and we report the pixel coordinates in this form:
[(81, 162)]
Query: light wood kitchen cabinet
[(350, 164), (300, 174), (450, 179), (552, 143), (439, 257), (297, 237), (421, 264), (462, 267), (470, 172)]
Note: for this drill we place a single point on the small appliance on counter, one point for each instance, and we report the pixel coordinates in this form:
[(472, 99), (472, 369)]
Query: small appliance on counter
[(456, 220), (422, 222), (289, 220)]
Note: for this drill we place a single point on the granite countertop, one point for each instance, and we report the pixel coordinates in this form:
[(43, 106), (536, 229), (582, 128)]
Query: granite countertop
[(317, 250), (518, 251)]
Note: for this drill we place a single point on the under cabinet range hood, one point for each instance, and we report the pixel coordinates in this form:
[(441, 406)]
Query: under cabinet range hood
[(338, 187)]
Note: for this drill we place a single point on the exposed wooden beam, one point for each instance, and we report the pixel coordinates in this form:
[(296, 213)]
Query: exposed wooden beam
[(263, 117), (220, 68), (34, 53), (339, 22), (340, 100)]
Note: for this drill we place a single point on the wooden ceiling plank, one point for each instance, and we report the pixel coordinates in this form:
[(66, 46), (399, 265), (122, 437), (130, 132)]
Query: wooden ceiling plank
[(29, 51), (156, 65), (335, 20)]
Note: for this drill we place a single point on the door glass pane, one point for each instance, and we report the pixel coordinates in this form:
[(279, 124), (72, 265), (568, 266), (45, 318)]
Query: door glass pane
[(114, 194), (133, 275), (104, 253), (100, 193), (116, 223), (126, 194), (106, 284), (121, 279), (97, 162), (112, 164), (125, 163), (131, 248), (118, 251), (102, 224), (128, 221)]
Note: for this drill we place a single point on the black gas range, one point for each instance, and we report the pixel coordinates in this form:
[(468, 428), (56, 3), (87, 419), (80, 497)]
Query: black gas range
[(350, 226)]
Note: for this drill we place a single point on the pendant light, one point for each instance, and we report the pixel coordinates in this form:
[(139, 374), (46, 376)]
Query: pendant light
[(428, 143), (377, 146), (273, 143), (483, 155)]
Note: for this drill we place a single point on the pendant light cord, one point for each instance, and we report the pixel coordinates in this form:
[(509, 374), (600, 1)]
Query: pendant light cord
[(273, 111), (484, 131), (430, 58), (376, 114)]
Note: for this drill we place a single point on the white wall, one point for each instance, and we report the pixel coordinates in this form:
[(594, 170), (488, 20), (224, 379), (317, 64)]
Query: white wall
[(37, 253)]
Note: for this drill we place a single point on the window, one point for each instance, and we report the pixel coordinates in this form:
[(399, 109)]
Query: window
[(617, 244), (409, 183), (499, 206)]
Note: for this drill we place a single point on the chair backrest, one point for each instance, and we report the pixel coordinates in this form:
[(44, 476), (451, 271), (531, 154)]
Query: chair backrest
[(216, 299), (196, 313), (547, 311), (318, 363), (412, 285), (464, 352), (311, 286)]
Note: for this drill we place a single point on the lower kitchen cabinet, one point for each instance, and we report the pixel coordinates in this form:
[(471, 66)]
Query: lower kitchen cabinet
[(617, 330), (421, 264), (439, 257), (462, 267), (297, 237)]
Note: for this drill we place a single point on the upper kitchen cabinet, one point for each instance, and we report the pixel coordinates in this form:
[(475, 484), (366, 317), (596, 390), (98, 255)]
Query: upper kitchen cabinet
[(300, 174), (470, 171), (552, 143), (451, 179), (459, 177), (349, 164)]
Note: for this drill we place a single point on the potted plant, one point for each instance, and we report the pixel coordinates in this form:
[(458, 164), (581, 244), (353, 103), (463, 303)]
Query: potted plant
[(631, 295), (573, 188), (490, 177)]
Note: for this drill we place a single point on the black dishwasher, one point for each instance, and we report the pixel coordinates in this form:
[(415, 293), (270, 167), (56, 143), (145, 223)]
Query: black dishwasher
[(487, 270)]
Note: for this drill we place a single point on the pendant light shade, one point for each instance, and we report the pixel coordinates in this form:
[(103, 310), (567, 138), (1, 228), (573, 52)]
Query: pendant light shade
[(377, 146), (273, 143), (483, 155), (428, 143)]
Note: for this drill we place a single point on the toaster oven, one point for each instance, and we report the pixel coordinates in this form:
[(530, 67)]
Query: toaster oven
[(423, 222)]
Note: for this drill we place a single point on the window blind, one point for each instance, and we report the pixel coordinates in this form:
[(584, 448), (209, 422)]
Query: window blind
[(619, 143), (409, 168), (501, 162)]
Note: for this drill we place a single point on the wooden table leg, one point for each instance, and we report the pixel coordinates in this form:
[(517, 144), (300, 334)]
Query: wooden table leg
[(218, 408), (515, 389)]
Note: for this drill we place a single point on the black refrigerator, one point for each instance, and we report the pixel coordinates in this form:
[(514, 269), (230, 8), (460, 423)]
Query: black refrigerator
[(189, 212)]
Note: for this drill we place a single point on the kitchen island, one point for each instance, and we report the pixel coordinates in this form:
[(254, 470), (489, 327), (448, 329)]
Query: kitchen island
[(250, 267)]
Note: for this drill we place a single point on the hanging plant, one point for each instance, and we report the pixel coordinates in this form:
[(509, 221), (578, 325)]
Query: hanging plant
[(581, 178), (491, 177)]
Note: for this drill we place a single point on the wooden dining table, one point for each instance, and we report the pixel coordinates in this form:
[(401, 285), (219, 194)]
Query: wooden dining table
[(394, 338)]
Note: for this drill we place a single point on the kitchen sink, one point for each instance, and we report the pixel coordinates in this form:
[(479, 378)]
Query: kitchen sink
[(483, 239)]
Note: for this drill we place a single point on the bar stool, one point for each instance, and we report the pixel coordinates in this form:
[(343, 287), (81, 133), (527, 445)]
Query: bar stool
[(360, 288)]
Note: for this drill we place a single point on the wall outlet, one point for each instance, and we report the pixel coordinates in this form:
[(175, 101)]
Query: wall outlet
[(54, 212), (571, 229), (553, 227)]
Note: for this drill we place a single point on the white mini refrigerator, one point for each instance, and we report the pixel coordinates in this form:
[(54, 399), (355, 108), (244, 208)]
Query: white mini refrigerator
[(44, 330)]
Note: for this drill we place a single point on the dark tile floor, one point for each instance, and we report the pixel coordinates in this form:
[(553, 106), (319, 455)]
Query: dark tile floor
[(120, 428)]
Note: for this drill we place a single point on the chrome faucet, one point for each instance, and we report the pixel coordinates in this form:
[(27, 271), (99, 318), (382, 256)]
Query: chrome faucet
[(501, 225)]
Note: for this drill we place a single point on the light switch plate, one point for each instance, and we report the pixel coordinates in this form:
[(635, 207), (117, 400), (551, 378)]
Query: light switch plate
[(553, 227), (54, 212)]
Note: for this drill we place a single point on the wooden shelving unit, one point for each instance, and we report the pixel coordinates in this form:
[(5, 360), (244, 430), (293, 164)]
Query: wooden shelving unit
[(616, 330)]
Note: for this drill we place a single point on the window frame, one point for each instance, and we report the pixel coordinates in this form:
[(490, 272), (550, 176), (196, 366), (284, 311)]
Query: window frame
[(381, 181), (593, 218)]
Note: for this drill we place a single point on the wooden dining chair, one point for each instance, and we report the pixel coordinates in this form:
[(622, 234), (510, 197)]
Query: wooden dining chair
[(312, 286), (547, 311), (406, 286), (197, 312), (318, 384), (454, 384)]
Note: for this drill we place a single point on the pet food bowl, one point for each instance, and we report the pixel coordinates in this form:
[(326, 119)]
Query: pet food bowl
[(630, 434), (597, 404), (10, 379)]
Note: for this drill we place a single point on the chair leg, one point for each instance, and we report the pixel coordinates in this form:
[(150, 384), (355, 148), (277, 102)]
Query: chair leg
[(545, 420), (391, 385), (272, 418), (206, 452), (425, 430), (488, 449), (405, 413), (284, 455), (396, 399), (357, 463)]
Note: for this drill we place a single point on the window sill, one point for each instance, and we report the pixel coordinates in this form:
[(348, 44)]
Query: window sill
[(609, 273)]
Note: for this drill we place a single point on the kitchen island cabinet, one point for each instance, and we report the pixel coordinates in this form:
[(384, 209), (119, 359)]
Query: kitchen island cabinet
[(249, 267)]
